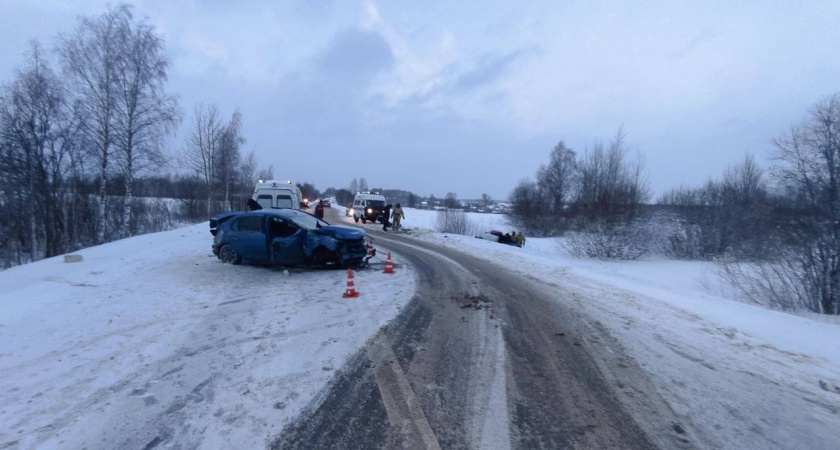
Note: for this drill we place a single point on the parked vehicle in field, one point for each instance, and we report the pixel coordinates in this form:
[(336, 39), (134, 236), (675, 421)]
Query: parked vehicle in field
[(278, 194), (368, 206), (503, 238), (286, 237)]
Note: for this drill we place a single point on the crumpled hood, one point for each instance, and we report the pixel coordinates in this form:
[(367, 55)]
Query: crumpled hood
[(341, 232)]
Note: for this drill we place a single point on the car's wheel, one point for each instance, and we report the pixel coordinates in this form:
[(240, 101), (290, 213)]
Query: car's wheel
[(322, 257), (364, 220), (356, 218), (228, 255)]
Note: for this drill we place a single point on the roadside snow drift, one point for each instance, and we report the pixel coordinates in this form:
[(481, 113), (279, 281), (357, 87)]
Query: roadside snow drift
[(427, 219), (152, 341), (745, 376)]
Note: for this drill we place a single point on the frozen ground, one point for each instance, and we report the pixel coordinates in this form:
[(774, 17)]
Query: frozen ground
[(426, 219), (748, 377), (152, 341)]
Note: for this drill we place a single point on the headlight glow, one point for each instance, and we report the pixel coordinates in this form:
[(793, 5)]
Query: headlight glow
[(370, 210)]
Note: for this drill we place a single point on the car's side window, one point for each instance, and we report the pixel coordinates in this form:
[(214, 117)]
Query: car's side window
[(281, 228), (251, 224)]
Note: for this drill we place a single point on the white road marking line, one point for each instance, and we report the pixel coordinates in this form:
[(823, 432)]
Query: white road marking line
[(401, 404)]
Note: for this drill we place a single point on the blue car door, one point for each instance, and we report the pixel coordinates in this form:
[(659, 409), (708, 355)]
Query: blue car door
[(287, 242), (249, 238)]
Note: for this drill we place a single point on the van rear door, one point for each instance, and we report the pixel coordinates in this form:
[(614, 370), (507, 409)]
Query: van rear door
[(264, 199), (284, 200)]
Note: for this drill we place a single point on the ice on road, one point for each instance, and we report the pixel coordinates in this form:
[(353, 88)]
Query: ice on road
[(152, 341)]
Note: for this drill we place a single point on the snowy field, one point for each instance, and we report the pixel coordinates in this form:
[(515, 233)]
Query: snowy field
[(152, 340), (747, 376), (426, 219)]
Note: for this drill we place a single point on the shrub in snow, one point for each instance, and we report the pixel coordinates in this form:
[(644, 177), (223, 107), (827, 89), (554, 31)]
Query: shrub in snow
[(455, 221), (790, 279), (600, 240)]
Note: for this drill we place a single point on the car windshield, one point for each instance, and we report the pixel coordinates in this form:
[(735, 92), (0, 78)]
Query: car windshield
[(309, 222), (376, 203)]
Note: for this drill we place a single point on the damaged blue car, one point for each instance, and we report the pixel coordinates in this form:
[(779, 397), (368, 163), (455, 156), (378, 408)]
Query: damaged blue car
[(286, 237)]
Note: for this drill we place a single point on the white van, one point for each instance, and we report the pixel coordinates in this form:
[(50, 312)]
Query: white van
[(278, 194), (368, 206)]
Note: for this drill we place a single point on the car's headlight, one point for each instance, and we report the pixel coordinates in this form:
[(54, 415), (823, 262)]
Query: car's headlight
[(351, 211), (370, 210)]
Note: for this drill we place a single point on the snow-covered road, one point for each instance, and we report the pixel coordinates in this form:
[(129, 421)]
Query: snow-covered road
[(740, 375), (152, 341), (737, 375)]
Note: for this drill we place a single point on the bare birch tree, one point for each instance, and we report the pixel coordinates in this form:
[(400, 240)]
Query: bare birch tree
[(91, 58), (228, 156), (249, 171), (558, 179), (38, 134), (201, 153), (145, 114)]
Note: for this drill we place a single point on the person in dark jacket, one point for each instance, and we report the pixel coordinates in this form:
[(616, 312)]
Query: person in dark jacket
[(319, 210), (387, 215)]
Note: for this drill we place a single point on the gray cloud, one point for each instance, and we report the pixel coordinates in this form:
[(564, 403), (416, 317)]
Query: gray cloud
[(488, 70), (433, 98), (356, 56)]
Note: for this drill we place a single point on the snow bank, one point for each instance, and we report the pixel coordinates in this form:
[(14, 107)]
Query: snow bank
[(152, 338), (426, 219), (748, 377)]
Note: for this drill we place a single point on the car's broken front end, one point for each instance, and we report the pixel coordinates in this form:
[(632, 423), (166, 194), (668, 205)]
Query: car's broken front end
[(347, 246)]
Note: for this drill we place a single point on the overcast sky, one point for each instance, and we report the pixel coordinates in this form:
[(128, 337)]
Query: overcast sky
[(471, 96)]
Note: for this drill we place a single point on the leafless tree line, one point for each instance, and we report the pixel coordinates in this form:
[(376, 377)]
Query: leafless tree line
[(106, 114), (775, 234), (214, 153), (776, 238), (604, 187), (95, 112)]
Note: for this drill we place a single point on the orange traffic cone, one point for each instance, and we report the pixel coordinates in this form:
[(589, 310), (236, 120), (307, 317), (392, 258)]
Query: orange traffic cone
[(351, 287), (371, 250), (389, 266)]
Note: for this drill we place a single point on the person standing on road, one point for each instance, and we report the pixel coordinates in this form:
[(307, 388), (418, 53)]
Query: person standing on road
[(397, 216), (521, 239), (386, 215), (319, 210)]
